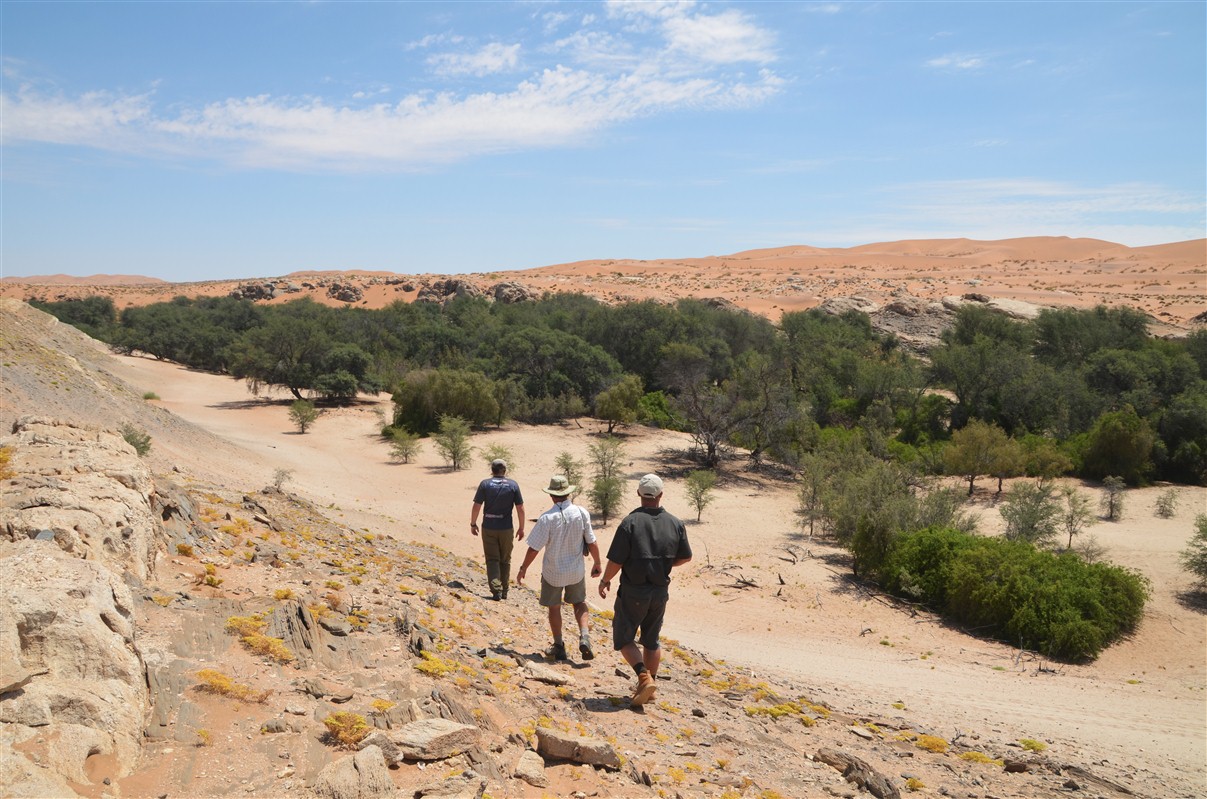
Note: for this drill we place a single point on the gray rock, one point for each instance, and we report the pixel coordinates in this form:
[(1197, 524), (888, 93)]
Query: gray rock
[(434, 739), (531, 769), (466, 785), (542, 673), (557, 745), (335, 626), (360, 776)]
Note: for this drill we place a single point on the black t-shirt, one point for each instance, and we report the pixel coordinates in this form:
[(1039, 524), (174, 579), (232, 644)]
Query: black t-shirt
[(648, 541)]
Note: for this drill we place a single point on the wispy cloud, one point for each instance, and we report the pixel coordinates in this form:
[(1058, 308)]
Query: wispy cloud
[(1131, 213), (492, 58), (663, 56), (957, 62)]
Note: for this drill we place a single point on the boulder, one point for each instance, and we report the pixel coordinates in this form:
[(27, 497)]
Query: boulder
[(557, 745), (531, 769), (360, 776), (434, 739), (466, 785), (510, 293)]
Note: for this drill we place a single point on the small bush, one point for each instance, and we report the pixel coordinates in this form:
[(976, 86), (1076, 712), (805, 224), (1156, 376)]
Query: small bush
[(1032, 745), (346, 728), (931, 743), (282, 594), (150, 395), (139, 439), (303, 414), (1167, 503), (215, 682), (6, 456), (184, 550)]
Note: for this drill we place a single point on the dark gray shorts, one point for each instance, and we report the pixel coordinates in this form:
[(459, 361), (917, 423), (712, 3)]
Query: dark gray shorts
[(638, 608)]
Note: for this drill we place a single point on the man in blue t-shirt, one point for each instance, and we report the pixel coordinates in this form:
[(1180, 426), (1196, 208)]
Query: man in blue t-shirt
[(498, 495)]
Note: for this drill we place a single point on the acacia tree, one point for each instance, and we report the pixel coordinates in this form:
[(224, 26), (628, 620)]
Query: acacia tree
[(1074, 515), (572, 469), (976, 449), (606, 486), (452, 441), (1194, 557), (1111, 501), (617, 405), (699, 490), (404, 444), (1031, 514), (303, 414)]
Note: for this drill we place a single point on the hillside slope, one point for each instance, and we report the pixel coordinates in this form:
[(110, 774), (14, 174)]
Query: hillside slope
[(358, 600)]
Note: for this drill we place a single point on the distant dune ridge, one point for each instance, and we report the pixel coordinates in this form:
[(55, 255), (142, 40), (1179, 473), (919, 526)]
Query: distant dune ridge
[(1168, 281)]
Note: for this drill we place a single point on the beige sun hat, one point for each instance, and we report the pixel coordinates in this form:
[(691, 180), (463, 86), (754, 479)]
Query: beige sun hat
[(559, 486)]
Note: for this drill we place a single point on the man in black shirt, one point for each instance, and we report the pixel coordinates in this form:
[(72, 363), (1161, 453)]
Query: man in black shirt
[(498, 494), (649, 542)]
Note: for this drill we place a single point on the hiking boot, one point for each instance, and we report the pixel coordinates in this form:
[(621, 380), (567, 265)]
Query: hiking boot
[(584, 646), (556, 652), (504, 594), (496, 596), (645, 689)]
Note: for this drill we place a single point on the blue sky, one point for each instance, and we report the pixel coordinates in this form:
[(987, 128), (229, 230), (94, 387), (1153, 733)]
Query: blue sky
[(196, 141)]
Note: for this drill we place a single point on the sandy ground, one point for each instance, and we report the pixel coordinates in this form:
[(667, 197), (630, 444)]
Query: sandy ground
[(1142, 704)]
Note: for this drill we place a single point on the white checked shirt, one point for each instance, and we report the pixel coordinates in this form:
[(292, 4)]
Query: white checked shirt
[(561, 531)]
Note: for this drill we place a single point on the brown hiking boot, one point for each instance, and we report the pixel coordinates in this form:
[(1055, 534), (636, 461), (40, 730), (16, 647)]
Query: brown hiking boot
[(645, 689)]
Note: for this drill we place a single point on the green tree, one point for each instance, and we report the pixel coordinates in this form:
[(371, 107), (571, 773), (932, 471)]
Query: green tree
[(426, 395), (1120, 443), (1194, 557), (1031, 513), (565, 464), (404, 444), (618, 404), (1167, 503), (606, 494), (699, 486), (303, 414), (607, 485), (500, 452), (976, 450), (1111, 501), (1075, 514), (452, 441)]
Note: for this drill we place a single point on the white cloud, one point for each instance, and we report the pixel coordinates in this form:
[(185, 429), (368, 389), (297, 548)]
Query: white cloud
[(559, 107), (957, 62), (610, 74), (725, 38), (492, 58), (1129, 213)]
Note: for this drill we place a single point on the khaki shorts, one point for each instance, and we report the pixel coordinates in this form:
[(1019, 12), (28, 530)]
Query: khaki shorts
[(551, 595)]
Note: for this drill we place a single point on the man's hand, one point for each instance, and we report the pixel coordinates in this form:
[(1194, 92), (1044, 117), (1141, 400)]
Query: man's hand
[(596, 570), (604, 585), (519, 577), (519, 534), (473, 528)]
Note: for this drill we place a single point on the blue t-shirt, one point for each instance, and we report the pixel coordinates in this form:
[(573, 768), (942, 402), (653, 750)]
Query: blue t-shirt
[(499, 496)]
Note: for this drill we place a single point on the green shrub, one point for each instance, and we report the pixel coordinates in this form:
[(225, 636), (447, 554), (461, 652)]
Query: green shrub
[(1056, 604), (139, 439)]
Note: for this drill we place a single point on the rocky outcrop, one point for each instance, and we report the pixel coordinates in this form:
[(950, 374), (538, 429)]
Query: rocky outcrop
[(442, 291), (557, 745), (72, 621), (87, 488), (76, 526), (255, 291), (359, 776), (345, 292), (509, 293)]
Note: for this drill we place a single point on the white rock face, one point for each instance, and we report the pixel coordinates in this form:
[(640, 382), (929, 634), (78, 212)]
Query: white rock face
[(73, 677), (88, 488)]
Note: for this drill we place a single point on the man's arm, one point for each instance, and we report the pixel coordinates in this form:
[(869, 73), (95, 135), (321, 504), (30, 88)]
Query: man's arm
[(519, 513), (473, 518), (609, 573), (593, 548), (529, 557), (681, 561)]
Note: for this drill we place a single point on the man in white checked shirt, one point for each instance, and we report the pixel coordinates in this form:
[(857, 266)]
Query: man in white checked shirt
[(563, 531)]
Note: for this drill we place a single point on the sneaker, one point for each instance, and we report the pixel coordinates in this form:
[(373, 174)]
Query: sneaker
[(645, 689), (556, 652), (495, 595), (584, 646), (504, 594)]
